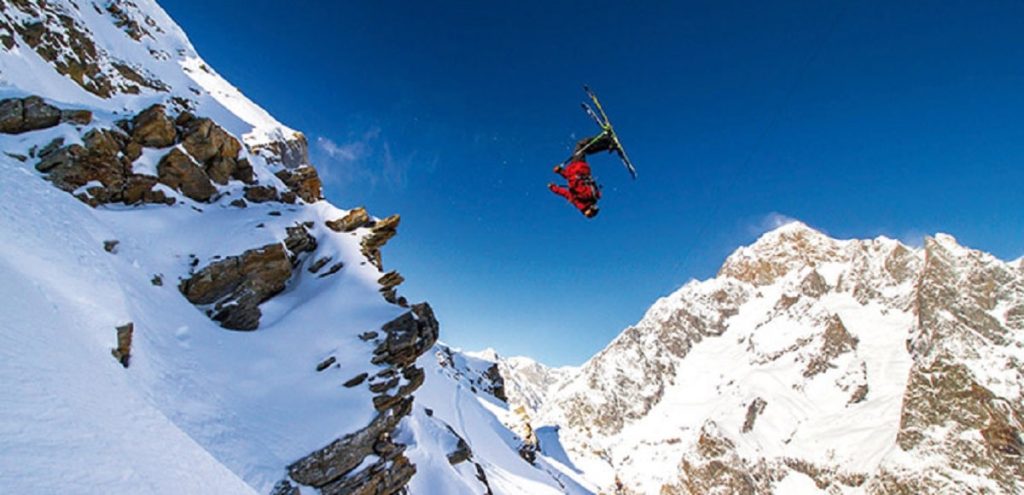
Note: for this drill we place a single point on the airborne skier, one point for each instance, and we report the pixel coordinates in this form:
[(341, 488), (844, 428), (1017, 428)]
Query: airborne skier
[(583, 192)]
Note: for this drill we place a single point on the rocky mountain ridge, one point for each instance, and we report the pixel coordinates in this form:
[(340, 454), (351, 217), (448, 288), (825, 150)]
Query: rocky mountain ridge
[(810, 364)]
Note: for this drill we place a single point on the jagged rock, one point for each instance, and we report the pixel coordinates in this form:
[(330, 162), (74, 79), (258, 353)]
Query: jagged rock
[(157, 280), (753, 411), (813, 285), (408, 336), (205, 140), (123, 350), (356, 218), (299, 241), (368, 335), (341, 456), (237, 285), (243, 171), (111, 246), (326, 363), (462, 452), (390, 280), (178, 171), (152, 128), (497, 382), (379, 235), (837, 340), (260, 194), (303, 181), (291, 151)]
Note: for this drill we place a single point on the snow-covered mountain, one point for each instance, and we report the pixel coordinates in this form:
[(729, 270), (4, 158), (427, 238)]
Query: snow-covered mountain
[(182, 312), (809, 365)]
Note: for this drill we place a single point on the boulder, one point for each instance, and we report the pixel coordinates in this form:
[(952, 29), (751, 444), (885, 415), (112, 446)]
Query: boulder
[(260, 194), (178, 171), (205, 140), (31, 113), (235, 286), (152, 128), (123, 350), (356, 218)]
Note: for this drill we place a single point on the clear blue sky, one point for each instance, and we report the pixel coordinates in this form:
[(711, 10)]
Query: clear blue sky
[(877, 118)]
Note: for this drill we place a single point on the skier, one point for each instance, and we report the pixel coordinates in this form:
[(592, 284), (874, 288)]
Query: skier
[(583, 192)]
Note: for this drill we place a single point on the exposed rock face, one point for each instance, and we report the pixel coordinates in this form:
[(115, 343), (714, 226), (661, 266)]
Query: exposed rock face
[(60, 38), (328, 469), (152, 128), (303, 181), (379, 235), (101, 170), (356, 218), (180, 171), (290, 151), (233, 288)]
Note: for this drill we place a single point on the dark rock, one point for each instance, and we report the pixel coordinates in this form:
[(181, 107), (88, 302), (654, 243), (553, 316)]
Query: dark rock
[(754, 410), (12, 116), (284, 487), (303, 181), (243, 171), (356, 380), (50, 148), (368, 336), (178, 171), (124, 344), (461, 453), (408, 336), (237, 285), (497, 382), (383, 386), (111, 246), (357, 217), (158, 280), (299, 241), (335, 268), (274, 213), (239, 203), (325, 363), (319, 263), (153, 129), (260, 194)]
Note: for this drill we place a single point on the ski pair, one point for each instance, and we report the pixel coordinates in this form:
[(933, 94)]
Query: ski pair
[(606, 129)]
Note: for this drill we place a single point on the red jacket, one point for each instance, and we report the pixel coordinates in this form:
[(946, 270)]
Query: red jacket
[(583, 191), (581, 184)]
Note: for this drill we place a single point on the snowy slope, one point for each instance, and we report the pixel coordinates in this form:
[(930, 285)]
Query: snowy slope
[(330, 390)]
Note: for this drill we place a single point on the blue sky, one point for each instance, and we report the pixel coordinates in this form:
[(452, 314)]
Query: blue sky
[(873, 118)]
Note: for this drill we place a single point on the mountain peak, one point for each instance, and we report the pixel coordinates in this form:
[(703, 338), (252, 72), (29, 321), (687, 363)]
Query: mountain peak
[(778, 251)]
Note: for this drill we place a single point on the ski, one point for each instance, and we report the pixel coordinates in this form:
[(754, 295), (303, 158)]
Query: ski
[(604, 123)]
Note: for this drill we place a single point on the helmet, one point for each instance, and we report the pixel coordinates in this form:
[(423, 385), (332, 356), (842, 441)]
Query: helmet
[(591, 211)]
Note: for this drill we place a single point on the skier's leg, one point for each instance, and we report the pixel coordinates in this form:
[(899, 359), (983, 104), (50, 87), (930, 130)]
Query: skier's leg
[(591, 145)]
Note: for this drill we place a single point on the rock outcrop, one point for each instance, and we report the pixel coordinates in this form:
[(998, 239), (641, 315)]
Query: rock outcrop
[(331, 469), (232, 289), (380, 233)]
